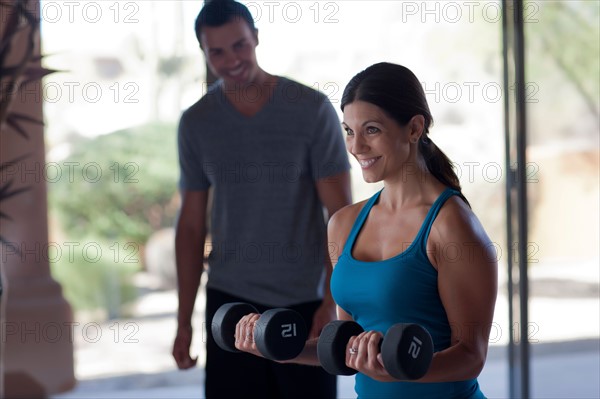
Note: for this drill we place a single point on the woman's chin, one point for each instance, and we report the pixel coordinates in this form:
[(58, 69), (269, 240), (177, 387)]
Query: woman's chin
[(369, 178)]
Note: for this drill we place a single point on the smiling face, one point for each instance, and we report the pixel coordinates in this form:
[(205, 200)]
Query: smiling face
[(230, 53), (381, 146)]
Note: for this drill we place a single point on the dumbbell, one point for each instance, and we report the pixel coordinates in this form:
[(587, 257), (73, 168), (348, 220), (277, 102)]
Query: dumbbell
[(279, 334), (406, 349)]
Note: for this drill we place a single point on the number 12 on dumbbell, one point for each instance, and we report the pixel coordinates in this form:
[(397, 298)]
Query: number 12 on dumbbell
[(415, 347), (279, 334), (288, 330), (406, 349)]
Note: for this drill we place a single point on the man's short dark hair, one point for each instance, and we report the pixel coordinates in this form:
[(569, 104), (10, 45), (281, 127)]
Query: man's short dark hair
[(219, 12)]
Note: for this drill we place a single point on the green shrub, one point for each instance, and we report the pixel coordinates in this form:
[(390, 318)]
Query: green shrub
[(121, 186), (114, 191), (92, 279)]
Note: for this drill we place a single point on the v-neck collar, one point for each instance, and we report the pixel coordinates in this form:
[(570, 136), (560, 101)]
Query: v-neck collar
[(237, 114)]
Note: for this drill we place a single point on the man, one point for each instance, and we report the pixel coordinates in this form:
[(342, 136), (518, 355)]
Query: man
[(272, 152)]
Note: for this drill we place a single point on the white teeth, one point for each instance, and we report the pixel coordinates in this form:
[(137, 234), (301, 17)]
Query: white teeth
[(237, 71), (365, 163)]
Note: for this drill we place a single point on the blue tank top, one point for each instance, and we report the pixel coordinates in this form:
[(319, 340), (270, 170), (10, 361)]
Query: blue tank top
[(401, 289)]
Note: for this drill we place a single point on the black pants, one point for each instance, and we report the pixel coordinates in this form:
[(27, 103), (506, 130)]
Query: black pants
[(241, 375)]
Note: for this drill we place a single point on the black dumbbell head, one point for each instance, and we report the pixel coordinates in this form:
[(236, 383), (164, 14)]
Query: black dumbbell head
[(224, 322), (280, 334), (407, 351), (331, 347)]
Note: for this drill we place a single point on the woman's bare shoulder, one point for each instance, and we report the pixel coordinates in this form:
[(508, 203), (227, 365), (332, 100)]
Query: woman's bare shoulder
[(342, 221), (457, 220)]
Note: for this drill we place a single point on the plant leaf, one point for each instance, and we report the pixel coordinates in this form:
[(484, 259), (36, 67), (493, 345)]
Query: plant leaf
[(27, 118), (38, 57), (34, 75), (14, 120), (37, 72), (9, 70), (5, 216), (7, 41), (11, 122), (5, 192), (4, 165)]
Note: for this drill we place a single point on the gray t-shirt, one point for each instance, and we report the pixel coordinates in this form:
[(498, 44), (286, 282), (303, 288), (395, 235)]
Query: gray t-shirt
[(268, 232)]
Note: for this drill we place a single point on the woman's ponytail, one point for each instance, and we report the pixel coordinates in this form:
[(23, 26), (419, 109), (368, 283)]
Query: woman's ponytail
[(438, 163)]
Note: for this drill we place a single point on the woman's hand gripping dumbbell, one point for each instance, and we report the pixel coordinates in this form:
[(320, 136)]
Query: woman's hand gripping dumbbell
[(406, 350), (277, 334)]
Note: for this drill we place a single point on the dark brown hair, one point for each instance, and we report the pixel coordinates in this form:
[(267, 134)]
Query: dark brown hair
[(217, 13), (398, 92)]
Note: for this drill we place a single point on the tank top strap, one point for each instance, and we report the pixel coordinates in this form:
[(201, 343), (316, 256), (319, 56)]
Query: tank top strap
[(360, 220), (423, 235)]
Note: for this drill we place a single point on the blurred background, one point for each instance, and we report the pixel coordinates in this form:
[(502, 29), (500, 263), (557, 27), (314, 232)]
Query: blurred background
[(127, 69)]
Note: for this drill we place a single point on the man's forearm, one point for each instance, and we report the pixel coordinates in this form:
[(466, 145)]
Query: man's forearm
[(189, 254)]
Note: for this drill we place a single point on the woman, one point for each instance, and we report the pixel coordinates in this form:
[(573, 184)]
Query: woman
[(413, 253)]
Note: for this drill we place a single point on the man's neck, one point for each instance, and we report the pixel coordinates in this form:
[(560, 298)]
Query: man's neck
[(250, 98)]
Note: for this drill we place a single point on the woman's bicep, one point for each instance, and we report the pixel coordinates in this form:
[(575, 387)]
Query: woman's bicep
[(468, 285)]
